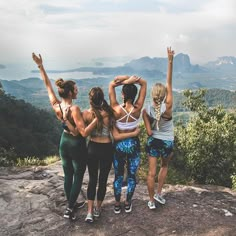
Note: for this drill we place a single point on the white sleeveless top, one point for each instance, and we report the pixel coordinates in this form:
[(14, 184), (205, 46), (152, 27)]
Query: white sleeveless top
[(166, 127)]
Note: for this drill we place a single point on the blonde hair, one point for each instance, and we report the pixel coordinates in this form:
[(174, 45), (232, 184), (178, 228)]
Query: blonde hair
[(158, 95)]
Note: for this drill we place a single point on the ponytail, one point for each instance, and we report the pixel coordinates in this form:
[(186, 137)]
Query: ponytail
[(158, 95), (129, 91), (98, 103)]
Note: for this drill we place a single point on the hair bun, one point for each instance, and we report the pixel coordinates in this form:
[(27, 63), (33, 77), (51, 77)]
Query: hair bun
[(59, 83)]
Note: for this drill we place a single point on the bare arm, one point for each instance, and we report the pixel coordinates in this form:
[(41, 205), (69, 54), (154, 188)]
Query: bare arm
[(126, 79), (169, 97), (119, 136), (147, 123), (142, 93), (135, 80), (78, 119), (112, 93), (52, 97)]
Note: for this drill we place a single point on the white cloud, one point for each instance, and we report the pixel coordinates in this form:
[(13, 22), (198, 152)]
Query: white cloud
[(71, 31)]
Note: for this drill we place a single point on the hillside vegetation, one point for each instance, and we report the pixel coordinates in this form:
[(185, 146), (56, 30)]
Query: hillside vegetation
[(26, 130), (205, 136), (32, 90)]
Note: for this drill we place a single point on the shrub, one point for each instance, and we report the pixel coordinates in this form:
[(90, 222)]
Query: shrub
[(208, 142)]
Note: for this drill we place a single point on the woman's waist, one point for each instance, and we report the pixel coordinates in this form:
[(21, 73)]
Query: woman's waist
[(126, 130), (100, 139), (167, 135), (129, 140), (70, 135)]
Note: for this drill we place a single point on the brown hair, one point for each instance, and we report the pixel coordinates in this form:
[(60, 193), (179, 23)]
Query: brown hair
[(64, 87), (98, 103), (129, 91)]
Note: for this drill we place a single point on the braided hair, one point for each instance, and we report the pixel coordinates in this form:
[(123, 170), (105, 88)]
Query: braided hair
[(64, 87), (98, 103), (129, 91), (158, 95)]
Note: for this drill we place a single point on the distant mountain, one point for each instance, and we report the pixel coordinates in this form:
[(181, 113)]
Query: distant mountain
[(31, 90), (144, 66), (216, 74), (223, 64), (15, 88), (30, 83), (2, 66), (181, 64)]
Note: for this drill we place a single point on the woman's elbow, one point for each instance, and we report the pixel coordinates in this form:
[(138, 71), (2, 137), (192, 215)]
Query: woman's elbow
[(74, 133), (115, 137)]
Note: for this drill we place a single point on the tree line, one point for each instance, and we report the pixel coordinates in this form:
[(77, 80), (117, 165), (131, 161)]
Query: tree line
[(26, 130)]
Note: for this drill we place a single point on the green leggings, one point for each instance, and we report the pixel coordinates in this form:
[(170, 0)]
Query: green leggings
[(73, 154)]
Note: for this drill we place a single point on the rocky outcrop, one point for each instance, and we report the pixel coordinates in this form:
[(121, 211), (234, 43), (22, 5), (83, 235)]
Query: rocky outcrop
[(32, 202)]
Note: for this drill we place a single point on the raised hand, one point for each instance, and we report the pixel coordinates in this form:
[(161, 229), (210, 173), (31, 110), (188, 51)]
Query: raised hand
[(37, 59), (170, 54)]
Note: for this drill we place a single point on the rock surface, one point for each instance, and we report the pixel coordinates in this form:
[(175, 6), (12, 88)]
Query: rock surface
[(32, 202)]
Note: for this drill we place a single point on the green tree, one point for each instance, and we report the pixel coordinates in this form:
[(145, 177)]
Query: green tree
[(27, 130), (207, 142)]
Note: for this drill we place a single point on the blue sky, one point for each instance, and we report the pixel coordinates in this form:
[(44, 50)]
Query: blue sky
[(67, 32)]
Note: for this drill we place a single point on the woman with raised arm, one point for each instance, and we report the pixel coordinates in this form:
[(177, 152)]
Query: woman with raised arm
[(159, 125), (100, 149), (72, 149), (126, 150)]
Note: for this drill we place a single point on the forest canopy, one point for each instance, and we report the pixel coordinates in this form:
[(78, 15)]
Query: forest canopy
[(26, 130)]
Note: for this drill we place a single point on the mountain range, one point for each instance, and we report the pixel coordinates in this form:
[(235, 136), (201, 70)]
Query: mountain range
[(157, 65), (219, 74)]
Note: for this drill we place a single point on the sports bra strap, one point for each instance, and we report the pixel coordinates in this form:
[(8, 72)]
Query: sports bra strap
[(61, 111), (127, 115)]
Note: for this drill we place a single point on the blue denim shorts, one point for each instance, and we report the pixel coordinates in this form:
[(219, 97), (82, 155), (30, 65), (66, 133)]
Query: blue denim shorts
[(159, 148)]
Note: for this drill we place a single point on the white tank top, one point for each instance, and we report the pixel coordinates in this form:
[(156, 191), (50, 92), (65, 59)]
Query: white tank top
[(166, 127)]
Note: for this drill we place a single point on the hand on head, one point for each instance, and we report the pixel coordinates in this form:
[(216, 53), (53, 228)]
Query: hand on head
[(132, 79), (117, 80)]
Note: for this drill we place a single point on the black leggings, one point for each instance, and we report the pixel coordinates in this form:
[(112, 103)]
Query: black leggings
[(99, 156)]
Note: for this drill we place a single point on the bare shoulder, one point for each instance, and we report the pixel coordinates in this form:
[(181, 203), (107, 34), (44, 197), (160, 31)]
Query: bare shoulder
[(75, 108), (87, 115)]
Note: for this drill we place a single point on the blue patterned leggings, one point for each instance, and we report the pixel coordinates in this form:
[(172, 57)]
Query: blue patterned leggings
[(126, 151)]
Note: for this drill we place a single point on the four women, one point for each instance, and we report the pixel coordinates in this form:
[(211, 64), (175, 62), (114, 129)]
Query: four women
[(104, 124)]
